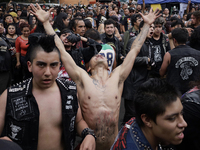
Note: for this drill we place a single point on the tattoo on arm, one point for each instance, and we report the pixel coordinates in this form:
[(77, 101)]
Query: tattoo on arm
[(138, 42)]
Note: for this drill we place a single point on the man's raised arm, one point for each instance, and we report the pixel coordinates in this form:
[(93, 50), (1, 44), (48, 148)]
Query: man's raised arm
[(127, 65), (72, 69)]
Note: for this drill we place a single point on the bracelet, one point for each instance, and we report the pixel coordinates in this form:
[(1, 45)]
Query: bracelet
[(88, 131)]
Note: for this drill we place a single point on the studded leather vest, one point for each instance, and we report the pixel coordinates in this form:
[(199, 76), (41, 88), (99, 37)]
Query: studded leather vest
[(22, 114)]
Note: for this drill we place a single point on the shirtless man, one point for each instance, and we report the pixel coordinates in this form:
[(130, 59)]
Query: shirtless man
[(99, 94), (42, 112)]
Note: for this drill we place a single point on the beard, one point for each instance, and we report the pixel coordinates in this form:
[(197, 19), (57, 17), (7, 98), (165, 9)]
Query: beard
[(110, 36)]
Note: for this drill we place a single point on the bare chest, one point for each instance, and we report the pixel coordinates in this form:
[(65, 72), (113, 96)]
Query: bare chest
[(49, 108)]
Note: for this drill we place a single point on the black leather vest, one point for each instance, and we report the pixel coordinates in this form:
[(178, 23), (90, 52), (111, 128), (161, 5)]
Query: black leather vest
[(184, 67), (22, 114)]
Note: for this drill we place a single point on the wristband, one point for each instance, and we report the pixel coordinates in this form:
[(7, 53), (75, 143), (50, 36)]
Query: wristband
[(88, 131)]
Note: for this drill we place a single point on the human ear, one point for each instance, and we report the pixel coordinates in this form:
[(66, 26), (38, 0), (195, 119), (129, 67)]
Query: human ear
[(29, 66), (146, 120)]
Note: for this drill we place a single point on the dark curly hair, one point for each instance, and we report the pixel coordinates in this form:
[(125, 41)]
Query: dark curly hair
[(23, 25)]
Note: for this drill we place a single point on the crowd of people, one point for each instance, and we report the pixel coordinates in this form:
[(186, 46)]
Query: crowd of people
[(64, 70)]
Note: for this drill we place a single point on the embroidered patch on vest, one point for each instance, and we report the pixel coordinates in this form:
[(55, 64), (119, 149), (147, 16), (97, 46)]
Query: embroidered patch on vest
[(21, 107), (14, 131), (186, 64), (72, 87), (72, 122)]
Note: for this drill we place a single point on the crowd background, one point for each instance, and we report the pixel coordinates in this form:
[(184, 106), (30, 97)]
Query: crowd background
[(17, 24)]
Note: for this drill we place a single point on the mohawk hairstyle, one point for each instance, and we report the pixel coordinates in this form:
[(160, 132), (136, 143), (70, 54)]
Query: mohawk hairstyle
[(37, 40)]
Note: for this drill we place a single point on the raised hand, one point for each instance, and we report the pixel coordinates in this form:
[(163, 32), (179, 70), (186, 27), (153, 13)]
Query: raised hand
[(41, 14), (151, 17)]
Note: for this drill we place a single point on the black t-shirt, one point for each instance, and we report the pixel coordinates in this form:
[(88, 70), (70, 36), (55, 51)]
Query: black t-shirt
[(157, 54), (126, 22)]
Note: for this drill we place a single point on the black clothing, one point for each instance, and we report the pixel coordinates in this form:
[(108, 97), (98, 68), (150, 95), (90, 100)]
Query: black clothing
[(184, 67), (158, 50), (22, 114), (9, 145), (139, 72), (82, 56), (127, 36), (115, 41), (138, 75), (5, 57), (5, 64), (126, 22), (191, 114)]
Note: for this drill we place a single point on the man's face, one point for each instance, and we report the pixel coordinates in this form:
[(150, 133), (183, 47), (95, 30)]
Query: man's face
[(69, 11), (82, 10), (80, 28), (166, 11), (109, 29), (62, 10), (45, 68), (125, 6), (137, 23), (126, 12), (169, 126), (102, 12), (98, 59), (139, 7), (55, 12), (158, 29), (22, 21), (63, 38), (19, 12), (8, 19), (185, 17), (193, 20), (151, 31), (1, 28)]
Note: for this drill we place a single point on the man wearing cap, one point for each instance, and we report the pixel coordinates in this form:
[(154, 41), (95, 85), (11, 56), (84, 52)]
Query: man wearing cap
[(19, 12)]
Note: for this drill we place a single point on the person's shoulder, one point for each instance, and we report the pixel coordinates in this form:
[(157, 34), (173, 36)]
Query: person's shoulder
[(66, 83), (193, 95), (21, 86)]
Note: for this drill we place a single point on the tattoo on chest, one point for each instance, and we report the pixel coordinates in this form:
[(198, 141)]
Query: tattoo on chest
[(105, 126), (98, 86)]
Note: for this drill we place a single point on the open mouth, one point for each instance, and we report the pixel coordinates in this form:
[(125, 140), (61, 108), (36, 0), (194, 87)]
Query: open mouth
[(181, 135), (46, 81), (151, 34)]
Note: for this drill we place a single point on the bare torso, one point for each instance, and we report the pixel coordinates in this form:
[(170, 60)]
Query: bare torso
[(100, 104), (50, 131)]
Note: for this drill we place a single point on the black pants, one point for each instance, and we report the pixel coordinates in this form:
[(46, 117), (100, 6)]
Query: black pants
[(129, 110)]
